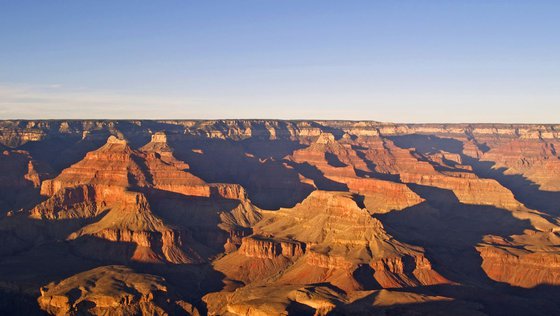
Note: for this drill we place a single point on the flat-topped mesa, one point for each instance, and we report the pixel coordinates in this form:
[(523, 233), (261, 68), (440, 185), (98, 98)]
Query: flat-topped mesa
[(329, 156), (159, 137), (158, 143), (112, 289), (526, 260), (382, 196), (229, 191), (168, 174), (159, 147), (470, 190), (118, 189), (325, 138), (115, 140), (115, 168)]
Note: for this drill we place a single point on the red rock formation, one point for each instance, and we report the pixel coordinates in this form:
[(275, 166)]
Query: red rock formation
[(20, 178), (100, 184), (411, 167), (338, 237), (112, 290), (478, 198), (527, 260), (115, 166), (75, 202), (134, 222), (538, 161), (268, 248), (380, 196)]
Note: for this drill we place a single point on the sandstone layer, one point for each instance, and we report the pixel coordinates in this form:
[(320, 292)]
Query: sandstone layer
[(272, 217)]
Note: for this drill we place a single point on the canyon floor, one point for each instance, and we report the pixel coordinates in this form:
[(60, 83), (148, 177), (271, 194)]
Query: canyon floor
[(272, 217)]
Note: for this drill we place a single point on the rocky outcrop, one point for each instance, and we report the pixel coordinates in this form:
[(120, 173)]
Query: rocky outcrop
[(15, 133), (468, 190), (527, 260), (381, 196), (392, 272), (20, 178), (111, 188), (339, 162), (112, 290), (279, 300), (339, 237), (117, 165), (323, 300), (327, 261), (537, 160), (76, 202), (261, 247), (135, 223), (350, 209)]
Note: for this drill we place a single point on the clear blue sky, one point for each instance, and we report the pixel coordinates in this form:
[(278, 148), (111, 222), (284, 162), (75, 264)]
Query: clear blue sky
[(400, 61)]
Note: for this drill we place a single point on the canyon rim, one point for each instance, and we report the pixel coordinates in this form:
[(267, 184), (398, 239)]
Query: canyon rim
[(274, 217)]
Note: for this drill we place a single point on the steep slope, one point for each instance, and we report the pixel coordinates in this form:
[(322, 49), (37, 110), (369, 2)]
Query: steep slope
[(526, 260), (100, 184), (328, 238), (537, 160), (112, 191), (363, 217), (20, 179), (136, 224), (339, 163), (445, 170)]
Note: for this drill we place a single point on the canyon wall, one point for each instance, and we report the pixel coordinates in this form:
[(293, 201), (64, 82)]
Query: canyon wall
[(210, 217)]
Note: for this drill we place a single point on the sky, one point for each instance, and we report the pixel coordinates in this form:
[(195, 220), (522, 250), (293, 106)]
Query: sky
[(396, 61)]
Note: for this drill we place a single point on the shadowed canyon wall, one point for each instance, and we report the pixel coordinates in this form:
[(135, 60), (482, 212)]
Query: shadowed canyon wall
[(271, 217)]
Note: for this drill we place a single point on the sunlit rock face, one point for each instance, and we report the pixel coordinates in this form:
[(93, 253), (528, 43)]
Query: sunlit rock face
[(265, 217), (112, 290)]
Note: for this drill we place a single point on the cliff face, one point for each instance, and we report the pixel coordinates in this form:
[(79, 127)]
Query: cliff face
[(20, 179), (330, 213), (268, 248), (328, 238), (527, 260), (340, 165), (16, 133), (111, 186)]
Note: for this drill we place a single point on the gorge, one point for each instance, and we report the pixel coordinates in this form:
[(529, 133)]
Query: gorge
[(274, 217)]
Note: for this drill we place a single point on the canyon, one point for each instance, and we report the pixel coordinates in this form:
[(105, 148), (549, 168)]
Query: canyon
[(274, 217)]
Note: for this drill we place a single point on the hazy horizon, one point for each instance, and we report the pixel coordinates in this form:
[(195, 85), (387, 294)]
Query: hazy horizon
[(400, 62), (275, 119)]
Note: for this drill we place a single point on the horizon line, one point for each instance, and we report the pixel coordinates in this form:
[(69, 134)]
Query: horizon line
[(273, 119)]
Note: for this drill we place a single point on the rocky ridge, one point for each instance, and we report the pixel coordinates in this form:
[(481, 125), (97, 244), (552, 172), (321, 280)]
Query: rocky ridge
[(455, 213)]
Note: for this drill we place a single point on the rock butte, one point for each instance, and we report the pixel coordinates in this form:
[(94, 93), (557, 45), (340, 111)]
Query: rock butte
[(112, 290), (270, 217)]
